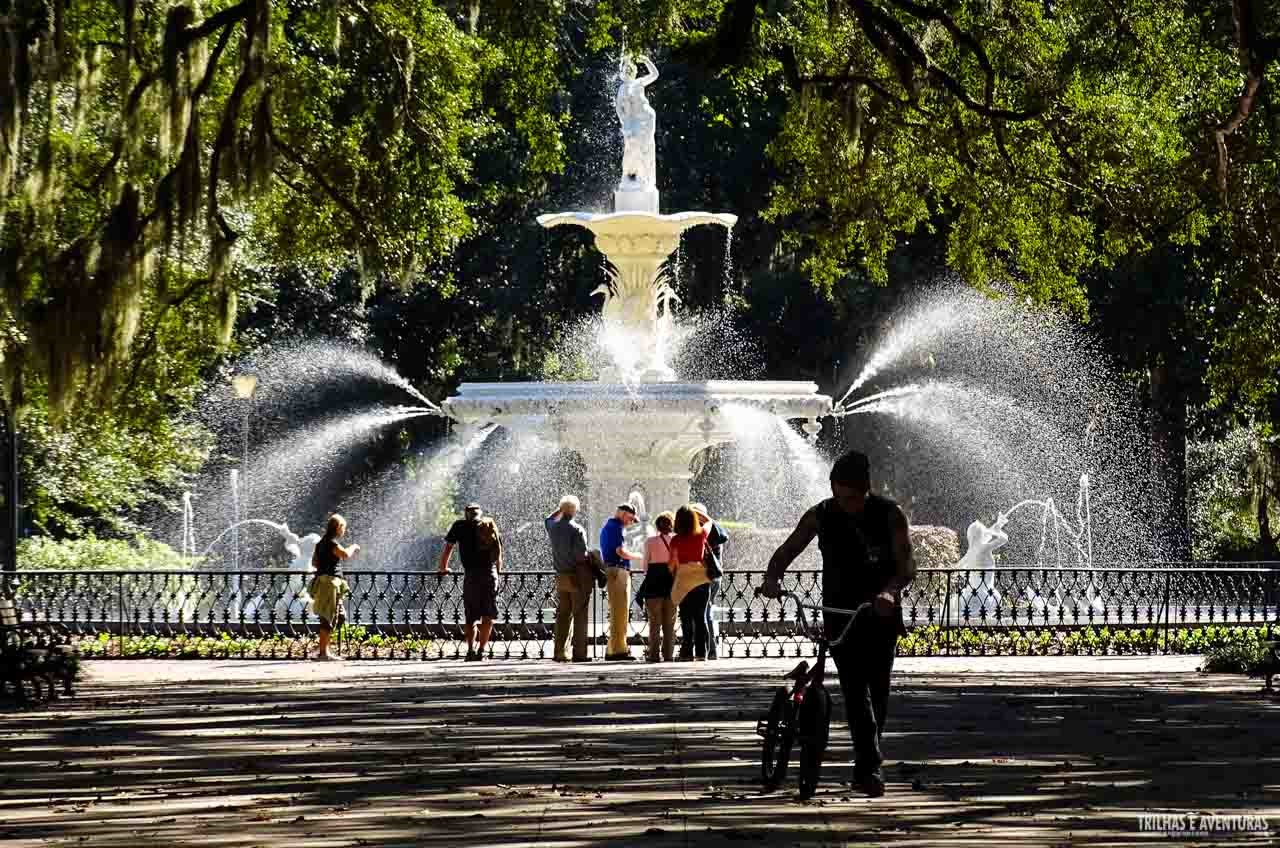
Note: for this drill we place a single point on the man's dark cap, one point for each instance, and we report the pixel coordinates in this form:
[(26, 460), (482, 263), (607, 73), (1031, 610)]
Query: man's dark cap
[(474, 507), (627, 508), (852, 469)]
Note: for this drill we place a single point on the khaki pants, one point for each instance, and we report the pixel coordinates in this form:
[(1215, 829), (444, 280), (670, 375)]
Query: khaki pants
[(619, 586), (573, 605), (662, 628)]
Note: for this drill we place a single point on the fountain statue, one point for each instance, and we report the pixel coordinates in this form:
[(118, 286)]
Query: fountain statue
[(638, 191), (638, 427), (976, 598)]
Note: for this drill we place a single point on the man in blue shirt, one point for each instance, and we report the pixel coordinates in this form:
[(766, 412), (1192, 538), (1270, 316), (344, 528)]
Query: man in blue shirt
[(617, 561)]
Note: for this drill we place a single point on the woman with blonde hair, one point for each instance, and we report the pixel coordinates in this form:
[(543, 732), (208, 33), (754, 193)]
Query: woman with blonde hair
[(328, 589), (691, 593), (655, 591)]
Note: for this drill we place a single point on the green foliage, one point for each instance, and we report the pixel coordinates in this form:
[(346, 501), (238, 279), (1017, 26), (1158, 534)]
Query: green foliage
[(97, 469), (91, 553), (1242, 655), (1230, 480), (152, 149), (1227, 649), (354, 641), (932, 640)]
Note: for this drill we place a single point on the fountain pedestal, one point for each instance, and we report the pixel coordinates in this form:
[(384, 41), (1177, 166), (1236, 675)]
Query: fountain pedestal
[(638, 299), (636, 200)]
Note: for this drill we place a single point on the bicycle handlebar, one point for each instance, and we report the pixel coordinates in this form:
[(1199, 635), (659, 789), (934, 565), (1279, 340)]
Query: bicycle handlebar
[(804, 623)]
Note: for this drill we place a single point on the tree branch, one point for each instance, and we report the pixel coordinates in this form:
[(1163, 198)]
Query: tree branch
[(928, 13), (230, 15), (148, 346), (900, 47), (1256, 53), (293, 155)]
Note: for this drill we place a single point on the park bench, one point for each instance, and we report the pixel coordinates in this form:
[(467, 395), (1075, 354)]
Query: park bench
[(34, 653)]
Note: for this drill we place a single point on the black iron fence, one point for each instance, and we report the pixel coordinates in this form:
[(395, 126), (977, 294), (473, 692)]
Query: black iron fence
[(419, 615)]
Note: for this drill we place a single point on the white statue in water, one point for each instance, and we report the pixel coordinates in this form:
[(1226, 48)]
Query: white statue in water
[(639, 153), (976, 598)]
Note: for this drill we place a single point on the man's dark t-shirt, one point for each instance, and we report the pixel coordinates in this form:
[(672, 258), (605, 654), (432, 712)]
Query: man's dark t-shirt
[(857, 555), (475, 559)]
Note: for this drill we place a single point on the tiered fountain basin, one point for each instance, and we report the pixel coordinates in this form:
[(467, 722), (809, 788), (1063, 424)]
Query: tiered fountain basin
[(638, 232), (635, 435)]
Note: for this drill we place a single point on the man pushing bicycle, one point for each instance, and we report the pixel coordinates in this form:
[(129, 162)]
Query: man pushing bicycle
[(866, 557)]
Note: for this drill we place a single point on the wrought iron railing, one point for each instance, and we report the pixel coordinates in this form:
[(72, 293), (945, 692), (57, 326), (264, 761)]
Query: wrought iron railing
[(394, 614)]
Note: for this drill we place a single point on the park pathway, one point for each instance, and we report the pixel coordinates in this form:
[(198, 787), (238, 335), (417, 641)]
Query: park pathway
[(1023, 751)]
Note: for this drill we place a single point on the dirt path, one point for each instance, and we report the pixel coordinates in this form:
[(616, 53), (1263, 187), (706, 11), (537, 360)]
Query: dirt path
[(1028, 751)]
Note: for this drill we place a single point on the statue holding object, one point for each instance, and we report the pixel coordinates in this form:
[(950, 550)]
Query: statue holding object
[(638, 190)]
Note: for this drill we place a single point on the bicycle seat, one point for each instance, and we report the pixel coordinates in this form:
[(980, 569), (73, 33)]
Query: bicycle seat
[(799, 671)]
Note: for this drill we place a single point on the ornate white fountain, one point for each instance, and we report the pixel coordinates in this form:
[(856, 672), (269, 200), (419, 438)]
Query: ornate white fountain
[(637, 427)]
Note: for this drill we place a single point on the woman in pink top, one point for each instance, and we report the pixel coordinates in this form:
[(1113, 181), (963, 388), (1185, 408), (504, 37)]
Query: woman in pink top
[(656, 590)]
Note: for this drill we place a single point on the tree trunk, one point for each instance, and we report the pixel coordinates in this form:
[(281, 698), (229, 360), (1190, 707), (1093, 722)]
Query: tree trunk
[(1169, 459), (1265, 481), (9, 489)]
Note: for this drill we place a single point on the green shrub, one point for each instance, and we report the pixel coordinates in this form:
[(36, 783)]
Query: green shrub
[(92, 553), (354, 640), (1239, 654), (932, 640)]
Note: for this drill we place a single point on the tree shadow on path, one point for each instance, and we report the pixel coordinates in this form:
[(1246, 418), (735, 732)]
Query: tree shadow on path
[(518, 754)]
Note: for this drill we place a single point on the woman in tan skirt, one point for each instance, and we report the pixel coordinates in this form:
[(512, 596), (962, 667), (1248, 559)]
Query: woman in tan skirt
[(328, 589)]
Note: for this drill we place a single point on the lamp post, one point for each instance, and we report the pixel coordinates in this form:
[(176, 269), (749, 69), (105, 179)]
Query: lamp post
[(244, 386)]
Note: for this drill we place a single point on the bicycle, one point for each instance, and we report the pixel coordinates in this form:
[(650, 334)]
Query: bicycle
[(802, 713)]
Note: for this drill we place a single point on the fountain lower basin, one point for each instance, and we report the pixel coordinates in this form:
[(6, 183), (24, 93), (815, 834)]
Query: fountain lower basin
[(631, 436)]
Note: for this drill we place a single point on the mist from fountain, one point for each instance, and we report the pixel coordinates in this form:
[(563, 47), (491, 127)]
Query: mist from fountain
[(769, 474), (188, 547), (928, 321), (702, 345), (1034, 404), (393, 514), (300, 385)]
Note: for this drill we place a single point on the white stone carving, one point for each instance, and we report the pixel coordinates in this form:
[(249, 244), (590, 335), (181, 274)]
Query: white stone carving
[(629, 435), (638, 190)]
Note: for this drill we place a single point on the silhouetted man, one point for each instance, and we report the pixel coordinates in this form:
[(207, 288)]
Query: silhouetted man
[(480, 547), (866, 556)]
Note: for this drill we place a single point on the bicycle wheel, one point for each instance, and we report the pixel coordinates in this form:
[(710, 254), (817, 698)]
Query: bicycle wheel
[(813, 726), (778, 732)]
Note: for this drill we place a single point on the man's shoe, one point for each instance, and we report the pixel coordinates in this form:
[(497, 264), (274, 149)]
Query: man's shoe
[(871, 784), (472, 656), (619, 658), (582, 659)]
